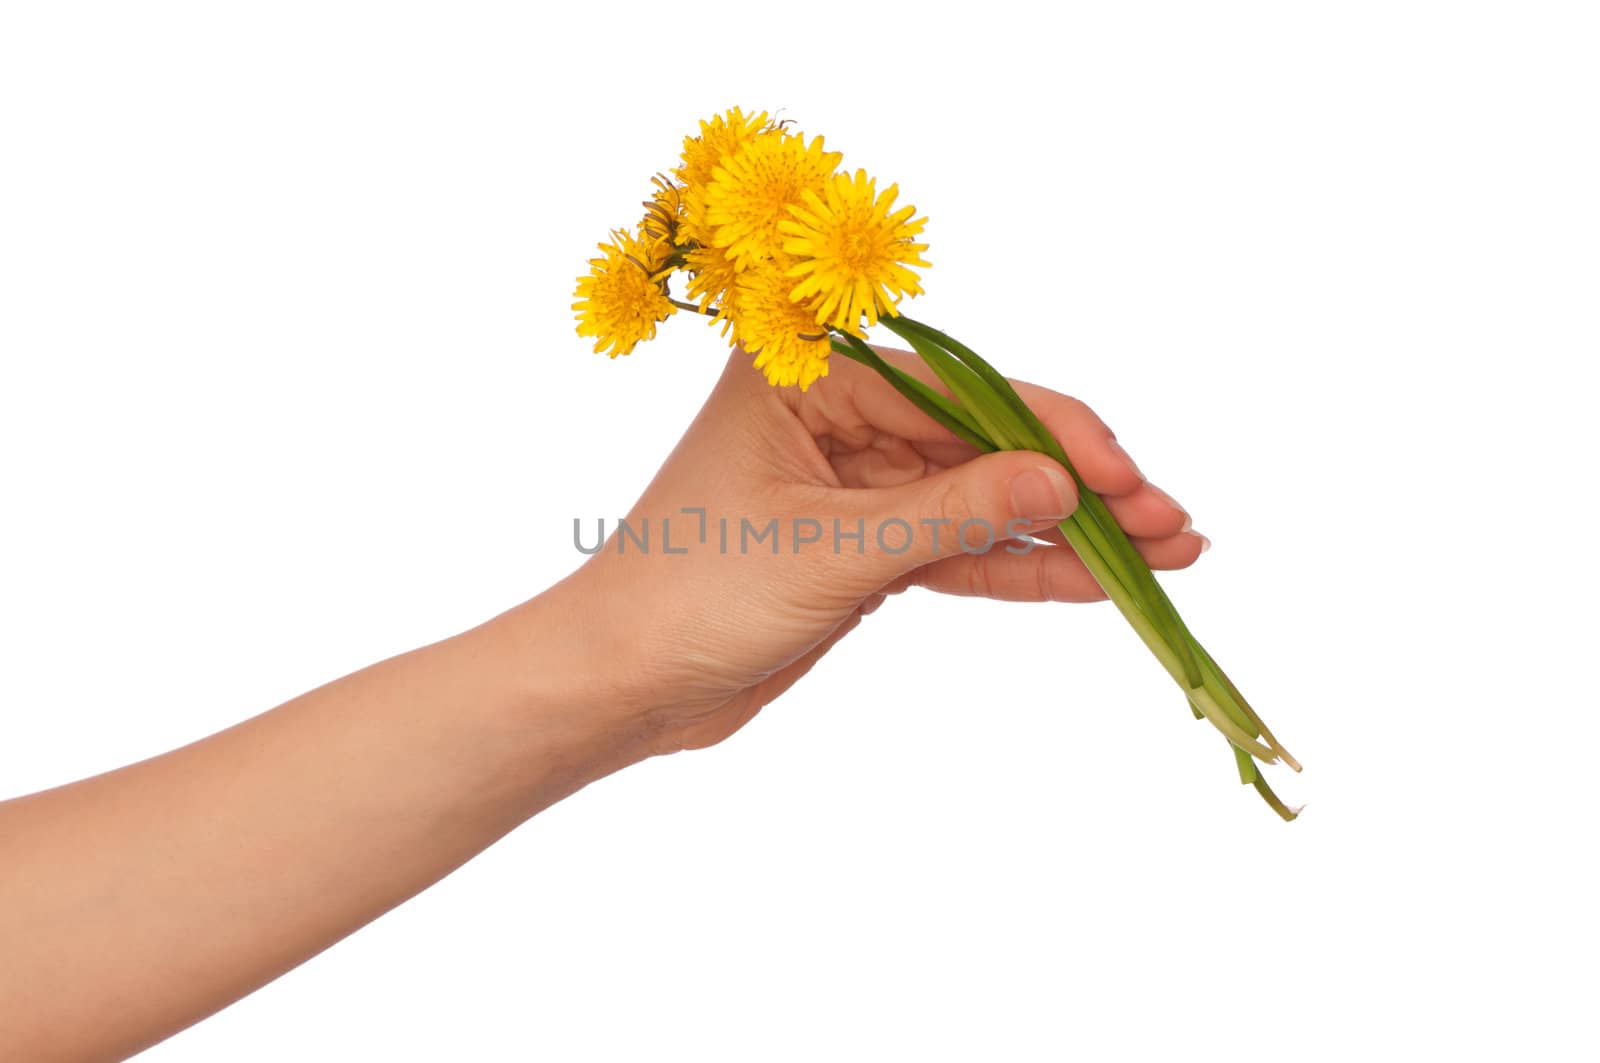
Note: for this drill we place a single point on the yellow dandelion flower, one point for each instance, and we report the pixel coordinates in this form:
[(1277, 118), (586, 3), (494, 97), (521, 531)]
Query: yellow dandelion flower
[(790, 347), (711, 279), (720, 138), (753, 190), (624, 295), (693, 228), (853, 251)]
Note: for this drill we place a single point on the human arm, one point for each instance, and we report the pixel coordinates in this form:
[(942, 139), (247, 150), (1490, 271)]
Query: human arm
[(136, 902)]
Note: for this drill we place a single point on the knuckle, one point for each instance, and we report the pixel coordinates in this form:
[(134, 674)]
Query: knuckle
[(980, 581), (952, 508), (1043, 581)]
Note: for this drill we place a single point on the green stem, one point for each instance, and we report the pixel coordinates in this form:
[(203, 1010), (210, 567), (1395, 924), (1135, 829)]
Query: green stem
[(990, 414), (968, 389), (1218, 679), (988, 407), (1094, 544), (1202, 700), (1247, 765), (929, 401), (1288, 814), (1108, 534), (693, 308), (1006, 427)]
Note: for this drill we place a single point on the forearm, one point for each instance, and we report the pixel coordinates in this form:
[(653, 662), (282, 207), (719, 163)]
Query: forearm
[(136, 902)]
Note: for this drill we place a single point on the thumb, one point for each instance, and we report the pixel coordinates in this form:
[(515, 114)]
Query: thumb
[(969, 508)]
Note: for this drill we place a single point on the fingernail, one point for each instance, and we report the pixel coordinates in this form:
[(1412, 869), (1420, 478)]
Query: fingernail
[(1117, 448), (1188, 524), (1041, 495), (1205, 544)]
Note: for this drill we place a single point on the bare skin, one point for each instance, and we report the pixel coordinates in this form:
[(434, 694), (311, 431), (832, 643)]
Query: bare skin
[(137, 902)]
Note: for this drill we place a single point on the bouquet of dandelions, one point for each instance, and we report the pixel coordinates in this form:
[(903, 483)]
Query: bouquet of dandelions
[(796, 258)]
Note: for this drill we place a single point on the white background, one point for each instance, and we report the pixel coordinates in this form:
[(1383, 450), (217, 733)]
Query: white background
[(290, 384)]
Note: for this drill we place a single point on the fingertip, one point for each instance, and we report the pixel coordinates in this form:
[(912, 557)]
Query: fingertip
[(1149, 512), (1174, 551)]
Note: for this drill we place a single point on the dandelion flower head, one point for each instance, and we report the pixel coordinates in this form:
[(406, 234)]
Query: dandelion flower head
[(624, 295), (719, 138), (788, 344), (751, 192), (853, 251)]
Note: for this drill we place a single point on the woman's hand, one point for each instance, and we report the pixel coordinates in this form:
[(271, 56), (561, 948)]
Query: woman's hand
[(782, 518)]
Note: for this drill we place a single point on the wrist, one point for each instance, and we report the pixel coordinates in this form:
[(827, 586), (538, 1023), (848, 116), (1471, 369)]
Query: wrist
[(565, 662)]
